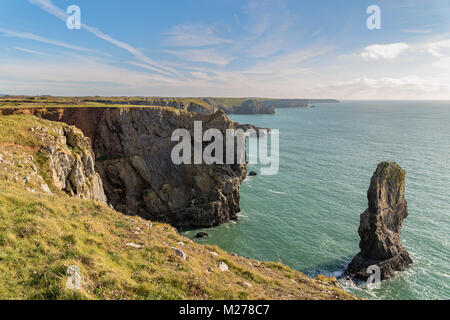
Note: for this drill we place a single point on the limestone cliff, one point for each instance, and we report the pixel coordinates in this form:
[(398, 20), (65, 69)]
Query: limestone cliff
[(133, 157), (61, 159), (381, 224), (71, 161), (240, 106)]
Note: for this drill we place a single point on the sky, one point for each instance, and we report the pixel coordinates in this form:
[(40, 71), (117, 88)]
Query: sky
[(227, 48)]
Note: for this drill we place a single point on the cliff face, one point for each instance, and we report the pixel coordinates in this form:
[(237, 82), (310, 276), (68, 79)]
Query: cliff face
[(240, 106), (72, 164), (133, 157), (381, 224), (181, 104), (60, 158), (286, 103), (253, 107)]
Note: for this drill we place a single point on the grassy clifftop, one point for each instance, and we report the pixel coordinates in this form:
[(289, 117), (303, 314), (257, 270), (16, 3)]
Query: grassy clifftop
[(43, 232)]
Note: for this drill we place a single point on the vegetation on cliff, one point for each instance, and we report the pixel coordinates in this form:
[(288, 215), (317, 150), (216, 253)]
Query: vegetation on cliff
[(120, 257)]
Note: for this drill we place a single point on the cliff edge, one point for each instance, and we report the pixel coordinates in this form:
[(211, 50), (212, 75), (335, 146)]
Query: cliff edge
[(133, 157)]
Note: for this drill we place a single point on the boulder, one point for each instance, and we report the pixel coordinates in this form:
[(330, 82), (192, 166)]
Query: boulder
[(179, 253), (223, 266), (201, 235), (380, 225), (134, 245)]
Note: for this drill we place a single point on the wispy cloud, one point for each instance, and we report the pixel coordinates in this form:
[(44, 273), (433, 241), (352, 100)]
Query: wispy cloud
[(48, 6), (32, 51), (193, 36), (34, 37), (200, 75), (419, 31), (201, 55)]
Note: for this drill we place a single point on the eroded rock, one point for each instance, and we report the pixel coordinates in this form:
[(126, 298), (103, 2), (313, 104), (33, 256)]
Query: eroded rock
[(71, 162), (380, 225), (133, 156)]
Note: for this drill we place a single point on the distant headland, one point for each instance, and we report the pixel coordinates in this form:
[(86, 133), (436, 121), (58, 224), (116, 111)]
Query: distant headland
[(207, 105)]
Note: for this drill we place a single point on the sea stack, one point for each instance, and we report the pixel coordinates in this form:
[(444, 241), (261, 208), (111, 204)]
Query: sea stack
[(381, 224)]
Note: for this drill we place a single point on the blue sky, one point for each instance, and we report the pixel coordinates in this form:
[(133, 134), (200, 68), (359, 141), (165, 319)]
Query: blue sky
[(268, 48)]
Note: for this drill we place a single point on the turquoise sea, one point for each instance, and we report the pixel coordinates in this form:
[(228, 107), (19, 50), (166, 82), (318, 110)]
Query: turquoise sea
[(307, 216)]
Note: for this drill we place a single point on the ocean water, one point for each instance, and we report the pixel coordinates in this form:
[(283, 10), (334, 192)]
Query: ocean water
[(307, 216)]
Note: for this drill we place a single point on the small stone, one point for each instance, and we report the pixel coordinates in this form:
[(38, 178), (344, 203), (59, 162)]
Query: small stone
[(214, 253), (181, 243), (252, 174), (223, 266), (180, 253), (134, 245), (45, 188), (248, 285), (16, 179)]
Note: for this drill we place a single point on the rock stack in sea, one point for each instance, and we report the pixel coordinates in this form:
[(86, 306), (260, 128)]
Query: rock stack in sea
[(380, 225)]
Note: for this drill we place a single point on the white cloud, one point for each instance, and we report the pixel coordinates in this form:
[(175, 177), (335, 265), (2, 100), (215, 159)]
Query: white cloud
[(201, 55), (193, 36), (436, 48), (200, 75), (443, 64), (384, 51)]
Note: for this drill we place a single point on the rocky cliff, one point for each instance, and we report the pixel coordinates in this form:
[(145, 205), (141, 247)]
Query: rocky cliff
[(381, 224), (61, 159), (240, 106), (191, 105), (286, 103), (133, 157)]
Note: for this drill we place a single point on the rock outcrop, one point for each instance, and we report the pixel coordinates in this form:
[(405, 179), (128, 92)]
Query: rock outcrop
[(247, 126), (133, 149), (71, 162), (240, 106), (133, 157), (380, 225), (286, 103)]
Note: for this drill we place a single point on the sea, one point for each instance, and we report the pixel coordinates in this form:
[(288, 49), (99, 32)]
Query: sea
[(307, 215)]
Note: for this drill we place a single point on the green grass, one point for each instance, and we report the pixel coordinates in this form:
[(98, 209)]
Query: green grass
[(41, 102)]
